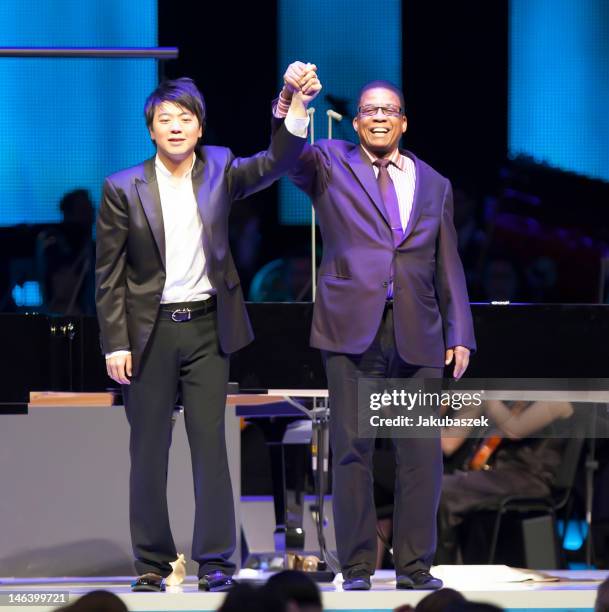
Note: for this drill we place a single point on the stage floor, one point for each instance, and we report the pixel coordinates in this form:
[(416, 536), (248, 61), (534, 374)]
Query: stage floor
[(572, 590)]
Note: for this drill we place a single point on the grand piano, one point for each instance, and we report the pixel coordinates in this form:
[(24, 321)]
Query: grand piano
[(514, 341)]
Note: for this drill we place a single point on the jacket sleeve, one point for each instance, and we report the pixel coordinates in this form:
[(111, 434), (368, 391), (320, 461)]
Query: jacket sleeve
[(311, 171), (247, 175), (451, 287), (110, 267)]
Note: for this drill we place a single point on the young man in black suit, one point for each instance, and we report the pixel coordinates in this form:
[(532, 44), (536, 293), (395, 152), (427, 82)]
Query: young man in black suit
[(171, 311)]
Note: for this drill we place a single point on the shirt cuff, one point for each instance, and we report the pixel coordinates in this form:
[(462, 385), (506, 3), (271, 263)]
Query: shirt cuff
[(282, 106), (297, 126), (116, 353)]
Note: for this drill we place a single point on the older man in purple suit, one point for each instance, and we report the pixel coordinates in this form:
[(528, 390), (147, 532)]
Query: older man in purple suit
[(391, 303)]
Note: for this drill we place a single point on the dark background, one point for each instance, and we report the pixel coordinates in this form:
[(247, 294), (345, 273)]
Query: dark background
[(454, 76)]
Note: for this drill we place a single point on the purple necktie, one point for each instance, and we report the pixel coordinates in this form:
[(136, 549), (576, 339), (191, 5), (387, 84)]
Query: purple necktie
[(390, 200), (392, 206)]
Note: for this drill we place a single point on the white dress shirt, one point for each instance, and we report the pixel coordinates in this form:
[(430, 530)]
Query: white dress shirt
[(186, 278), (404, 177)]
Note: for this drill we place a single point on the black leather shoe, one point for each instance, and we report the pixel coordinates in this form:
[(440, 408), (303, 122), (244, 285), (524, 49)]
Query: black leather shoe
[(358, 581), (421, 580), (151, 582), (216, 582)]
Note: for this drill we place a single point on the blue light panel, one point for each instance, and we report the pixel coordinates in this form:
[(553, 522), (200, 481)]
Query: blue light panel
[(559, 84), (351, 42), (67, 123), (27, 294)]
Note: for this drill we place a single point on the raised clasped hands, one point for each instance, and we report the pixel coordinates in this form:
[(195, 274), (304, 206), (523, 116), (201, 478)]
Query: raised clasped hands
[(301, 80)]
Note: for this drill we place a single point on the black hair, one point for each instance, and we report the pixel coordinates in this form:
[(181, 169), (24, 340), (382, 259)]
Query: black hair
[(182, 92), (75, 199), (382, 85), (295, 586), (438, 601)]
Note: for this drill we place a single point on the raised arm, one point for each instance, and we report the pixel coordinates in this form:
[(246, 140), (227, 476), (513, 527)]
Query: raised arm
[(300, 86), (250, 174)]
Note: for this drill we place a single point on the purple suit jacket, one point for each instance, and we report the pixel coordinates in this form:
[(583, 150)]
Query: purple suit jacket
[(431, 306)]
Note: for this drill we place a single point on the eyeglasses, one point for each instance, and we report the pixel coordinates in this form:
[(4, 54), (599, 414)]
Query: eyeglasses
[(389, 110)]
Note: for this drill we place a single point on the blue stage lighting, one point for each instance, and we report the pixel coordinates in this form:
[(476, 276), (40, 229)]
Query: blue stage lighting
[(67, 123), (559, 84), (350, 44), (28, 294)]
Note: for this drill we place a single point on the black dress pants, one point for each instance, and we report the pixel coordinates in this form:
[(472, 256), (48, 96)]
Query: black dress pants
[(466, 492), (418, 465), (183, 357)]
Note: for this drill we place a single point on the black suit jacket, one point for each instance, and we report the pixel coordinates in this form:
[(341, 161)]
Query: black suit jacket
[(130, 261)]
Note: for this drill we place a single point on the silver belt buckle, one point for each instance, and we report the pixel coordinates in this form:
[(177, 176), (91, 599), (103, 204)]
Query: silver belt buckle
[(180, 315)]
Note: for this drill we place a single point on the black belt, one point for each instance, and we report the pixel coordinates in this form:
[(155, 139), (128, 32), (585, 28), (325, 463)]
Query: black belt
[(187, 311), (388, 304)]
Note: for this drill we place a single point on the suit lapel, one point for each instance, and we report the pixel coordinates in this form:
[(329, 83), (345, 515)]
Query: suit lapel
[(148, 191), (200, 185), (364, 173), (419, 200)]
